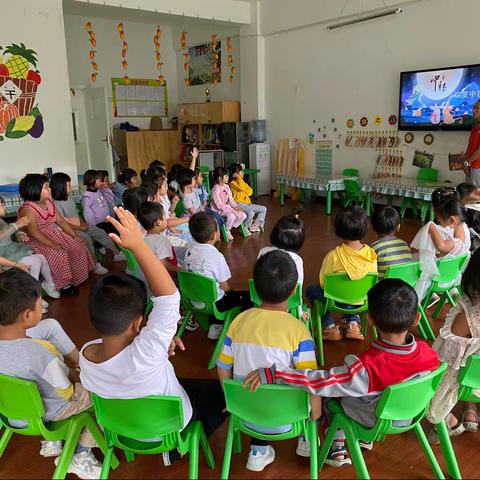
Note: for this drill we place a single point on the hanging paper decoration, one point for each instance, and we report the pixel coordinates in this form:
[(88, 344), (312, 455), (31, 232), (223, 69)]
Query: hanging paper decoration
[(215, 56), (377, 120), (392, 120), (364, 121), (233, 69), (158, 55), (91, 53), (350, 123), (124, 52), (186, 56)]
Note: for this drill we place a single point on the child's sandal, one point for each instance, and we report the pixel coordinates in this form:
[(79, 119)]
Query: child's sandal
[(338, 455), (469, 425)]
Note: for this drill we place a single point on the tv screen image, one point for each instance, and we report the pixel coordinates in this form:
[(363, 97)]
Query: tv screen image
[(440, 99)]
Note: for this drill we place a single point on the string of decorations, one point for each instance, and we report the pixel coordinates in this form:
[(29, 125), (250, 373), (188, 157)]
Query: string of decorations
[(233, 69), (215, 57), (121, 33), (158, 55), (91, 53), (186, 56)]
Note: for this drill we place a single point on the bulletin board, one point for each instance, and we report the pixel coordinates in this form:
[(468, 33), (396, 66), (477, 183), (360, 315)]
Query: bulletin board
[(141, 97)]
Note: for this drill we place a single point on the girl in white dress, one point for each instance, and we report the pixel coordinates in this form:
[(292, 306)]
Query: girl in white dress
[(459, 338)]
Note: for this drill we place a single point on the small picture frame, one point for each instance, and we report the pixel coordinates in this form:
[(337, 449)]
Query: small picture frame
[(409, 137), (428, 139)]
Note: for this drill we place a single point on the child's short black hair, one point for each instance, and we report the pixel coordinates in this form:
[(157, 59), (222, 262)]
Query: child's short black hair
[(90, 177), (351, 223), (18, 292), (202, 226), (58, 186), (465, 189), (275, 276), (451, 208), (289, 233), (132, 199), (104, 174), (442, 194), (126, 175), (148, 213), (393, 305), (219, 172), (385, 220), (185, 177), (153, 170), (157, 163), (233, 169), (174, 171), (151, 189), (31, 186), (471, 277), (115, 302)]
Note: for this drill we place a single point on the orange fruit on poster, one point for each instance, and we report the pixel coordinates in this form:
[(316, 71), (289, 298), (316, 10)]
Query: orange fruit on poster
[(93, 76), (124, 64), (124, 53), (125, 46), (88, 26), (122, 35), (158, 56), (120, 27), (91, 54), (93, 42), (95, 66)]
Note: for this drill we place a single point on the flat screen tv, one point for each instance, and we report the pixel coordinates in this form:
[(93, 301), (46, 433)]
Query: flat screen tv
[(439, 99)]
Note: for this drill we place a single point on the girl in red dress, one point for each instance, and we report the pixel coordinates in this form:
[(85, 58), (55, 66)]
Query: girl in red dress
[(52, 236)]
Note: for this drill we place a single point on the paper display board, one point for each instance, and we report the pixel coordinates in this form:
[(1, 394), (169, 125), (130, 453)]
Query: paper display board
[(142, 97)]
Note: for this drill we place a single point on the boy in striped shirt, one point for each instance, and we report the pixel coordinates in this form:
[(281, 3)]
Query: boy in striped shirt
[(265, 335), (390, 249)]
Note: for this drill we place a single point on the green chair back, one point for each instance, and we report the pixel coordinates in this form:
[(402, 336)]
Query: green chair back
[(179, 209), (408, 272), (132, 264), (352, 186), (340, 288), (469, 379), (79, 209), (294, 301), (351, 172), (196, 287), (449, 268), (428, 174)]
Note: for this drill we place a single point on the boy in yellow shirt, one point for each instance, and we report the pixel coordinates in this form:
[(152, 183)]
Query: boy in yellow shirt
[(242, 192), (352, 257)]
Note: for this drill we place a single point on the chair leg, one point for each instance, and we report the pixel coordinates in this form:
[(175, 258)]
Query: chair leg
[(182, 327), (237, 442), (440, 305), (327, 443), (227, 456), (355, 452), (425, 325), (428, 451), (67, 451), (317, 325), (244, 230), (218, 346), (450, 299), (7, 435), (313, 437), (193, 451), (129, 456), (206, 448), (448, 452), (224, 233), (100, 439), (106, 464)]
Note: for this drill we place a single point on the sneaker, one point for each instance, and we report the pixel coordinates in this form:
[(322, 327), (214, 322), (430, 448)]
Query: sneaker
[(353, 332), (229, 236), (214, 331), (331, 334), (100, 269), (338, 455), (433, 300), (50, 290), (84, 465), (192, 325), (171, 457), (51, 449), (454, 292), (119, 257), (102, 250), (257, 462), (254, 227), (44, 306), (365, 445), (303, 447)]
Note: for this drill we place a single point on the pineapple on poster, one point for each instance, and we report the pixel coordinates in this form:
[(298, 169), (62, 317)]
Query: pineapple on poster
[(19, 80)]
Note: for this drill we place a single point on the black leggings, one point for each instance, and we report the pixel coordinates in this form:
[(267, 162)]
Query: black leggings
[(107, 227), (234, 298)]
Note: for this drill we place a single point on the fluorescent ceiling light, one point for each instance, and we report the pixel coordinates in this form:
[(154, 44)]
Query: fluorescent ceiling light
[(365, 18)]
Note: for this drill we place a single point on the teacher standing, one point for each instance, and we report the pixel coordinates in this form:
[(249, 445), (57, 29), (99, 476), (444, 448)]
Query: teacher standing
[(472, 155)]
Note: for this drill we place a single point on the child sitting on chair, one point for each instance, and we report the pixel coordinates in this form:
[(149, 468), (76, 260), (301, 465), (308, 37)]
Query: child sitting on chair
[(35, 350), (358, 384), (351, 257), (131, 359), (390, 249), (265, 335), (459, 338), (203, 257)]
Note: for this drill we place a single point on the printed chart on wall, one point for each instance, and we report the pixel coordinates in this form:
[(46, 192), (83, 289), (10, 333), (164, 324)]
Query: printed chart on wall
[(140, 98)]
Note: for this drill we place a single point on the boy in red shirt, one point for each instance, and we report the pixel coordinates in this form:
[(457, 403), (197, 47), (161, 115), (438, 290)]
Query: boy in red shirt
[(394, 357)]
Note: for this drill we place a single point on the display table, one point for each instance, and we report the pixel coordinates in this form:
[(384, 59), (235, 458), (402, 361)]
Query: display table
[(327, 183), (403, 187)]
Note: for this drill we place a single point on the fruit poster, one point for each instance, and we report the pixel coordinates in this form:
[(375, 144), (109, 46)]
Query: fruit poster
[(200, 69), (422, 159), (19, 80)]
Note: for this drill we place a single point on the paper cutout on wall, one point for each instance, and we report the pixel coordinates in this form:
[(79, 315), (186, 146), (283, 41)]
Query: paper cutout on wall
[(311, 138), (91, 53), (19, 81), (186, 57), (456, 161), (377, 120), (392, 120), (121, 33), (409, 137), (158, 55), (364, 121), (350, 123), (422, 159)]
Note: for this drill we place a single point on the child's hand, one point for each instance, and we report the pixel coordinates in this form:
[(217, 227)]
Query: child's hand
[(305, 317), (23, 238), (175, 200), (252, 380), (176, 342), (22, 222), (130, 236), (195, 153)]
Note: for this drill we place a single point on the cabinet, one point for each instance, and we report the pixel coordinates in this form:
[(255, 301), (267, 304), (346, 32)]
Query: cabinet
[(145, 146), (211, 112)]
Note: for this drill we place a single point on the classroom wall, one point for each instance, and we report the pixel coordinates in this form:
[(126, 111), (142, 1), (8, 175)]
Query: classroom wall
[(315, 74), (141, 58), (39, 25), (202, 33)]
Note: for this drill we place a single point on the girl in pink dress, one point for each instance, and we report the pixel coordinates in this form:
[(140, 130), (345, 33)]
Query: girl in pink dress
[(223, 202), (51, 235)]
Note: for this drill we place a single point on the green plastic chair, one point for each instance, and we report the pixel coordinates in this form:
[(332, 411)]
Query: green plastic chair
[(125, 420), (449, 269), (206, 177), (353, 193), (224, 232), (132, 264), (351, 172), (295, 307), (469, 380), (405, 400), (20, 400), (339, 288), (410, 273), (425, 175), (179, 209), (269, 406), (195, 287)]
